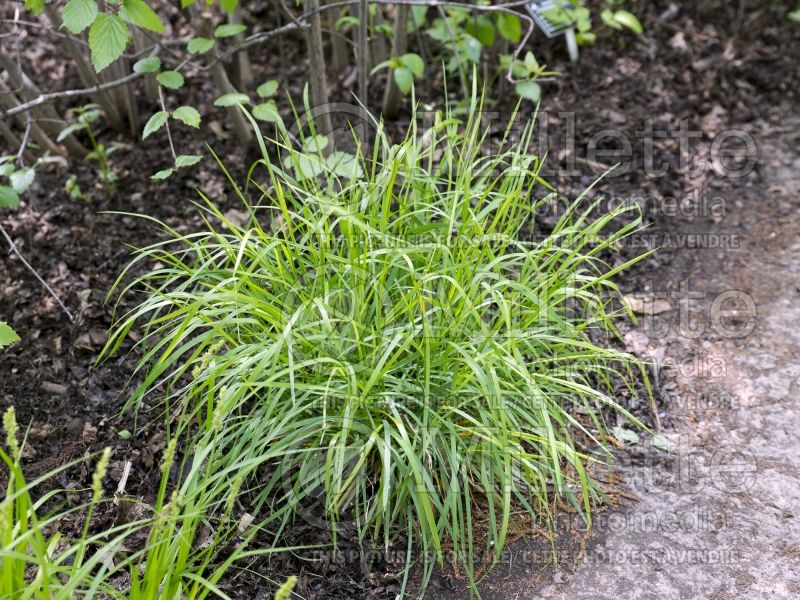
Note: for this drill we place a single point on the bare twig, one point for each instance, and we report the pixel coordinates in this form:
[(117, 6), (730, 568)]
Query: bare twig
[(169, 134), (123, 481), (24, 143), (16, 251), (44, 98)]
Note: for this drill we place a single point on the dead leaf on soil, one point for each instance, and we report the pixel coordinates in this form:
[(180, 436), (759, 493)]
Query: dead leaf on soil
[(647, 306), (55, 388)]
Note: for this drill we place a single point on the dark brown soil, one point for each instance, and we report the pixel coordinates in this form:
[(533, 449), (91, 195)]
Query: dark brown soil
[(706, 63)]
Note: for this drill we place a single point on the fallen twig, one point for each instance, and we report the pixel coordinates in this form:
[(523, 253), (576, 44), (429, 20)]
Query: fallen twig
[(16, 251)]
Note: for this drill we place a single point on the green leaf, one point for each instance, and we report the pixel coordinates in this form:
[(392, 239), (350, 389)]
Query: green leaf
[(471, 48), (659, 442), (268, 111), (232, 99), (79, 14), (315, 143), (482, 29), (267, 89), (21, 180), (629, 20), (531, 63), (626, 436), (608, 18), (229, 30), (414, 63), (529, 89), (188, 115), (345, 21), (138, 13), (124, 434), (7, 335), (187, 160), (155, 123), (404, 80), (305, 166), (228, 5), (35, 6), (170, 79), (416, 17), (69, 130), (795, 15), (8, 197), (151, 64), (510, 27), (108, 37), (200, 45), (162, 175), (344, 165)]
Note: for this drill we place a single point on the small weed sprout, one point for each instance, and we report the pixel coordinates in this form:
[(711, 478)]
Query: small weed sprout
[(85, 117)]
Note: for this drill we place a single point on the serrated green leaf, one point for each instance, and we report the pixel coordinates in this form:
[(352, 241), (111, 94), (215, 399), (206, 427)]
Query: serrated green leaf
[(79, 14), (229, 30), (7, 335), (267, 89), (200, 45), (151, 64), (404, 80), (414, 63), (188, 115), (22, 179), (162, 175), (108, 37), (155, 123), (510, 27), (232, 99), (170, 79), (187, 160), (138, 13), (35, 6), (268, 111), (529, 90), (8, 197)]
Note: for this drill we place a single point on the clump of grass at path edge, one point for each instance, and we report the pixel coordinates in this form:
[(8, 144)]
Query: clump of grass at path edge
[(385, 327)]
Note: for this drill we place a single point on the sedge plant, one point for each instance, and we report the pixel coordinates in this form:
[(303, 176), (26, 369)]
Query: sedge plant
[(418, 353)]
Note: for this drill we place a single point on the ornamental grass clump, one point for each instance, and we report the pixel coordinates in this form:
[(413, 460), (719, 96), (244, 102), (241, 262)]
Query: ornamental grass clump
[(398, 330)]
